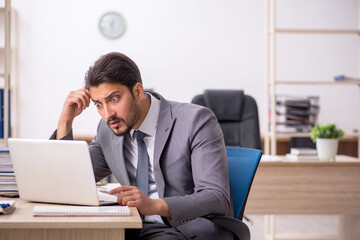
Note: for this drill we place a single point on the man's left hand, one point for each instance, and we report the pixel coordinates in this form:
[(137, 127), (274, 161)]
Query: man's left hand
[(131, 196)]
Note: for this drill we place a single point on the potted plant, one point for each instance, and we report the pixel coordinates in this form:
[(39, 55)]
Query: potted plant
[(326, 138)]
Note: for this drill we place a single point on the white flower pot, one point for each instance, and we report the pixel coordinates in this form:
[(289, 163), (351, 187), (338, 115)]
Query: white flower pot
[(326, 148)]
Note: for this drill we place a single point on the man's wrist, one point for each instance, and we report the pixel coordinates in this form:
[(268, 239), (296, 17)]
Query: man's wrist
[(162, 208), (64, 127)]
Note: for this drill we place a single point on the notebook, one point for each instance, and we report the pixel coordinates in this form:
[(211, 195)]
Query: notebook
[(76, 211), (55, 171)]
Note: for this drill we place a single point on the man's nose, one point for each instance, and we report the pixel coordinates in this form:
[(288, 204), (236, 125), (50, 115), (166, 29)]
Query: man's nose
[(108, 112)]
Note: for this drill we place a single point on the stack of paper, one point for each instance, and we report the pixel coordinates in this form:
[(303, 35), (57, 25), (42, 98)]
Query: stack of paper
[(299, 154), (7, 176), (296, 113)]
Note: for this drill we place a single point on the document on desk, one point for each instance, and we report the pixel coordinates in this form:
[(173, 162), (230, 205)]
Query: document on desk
[(270, 158), (80, 211)]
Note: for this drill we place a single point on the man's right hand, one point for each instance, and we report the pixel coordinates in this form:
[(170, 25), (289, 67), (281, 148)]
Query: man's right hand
[(76, 102)]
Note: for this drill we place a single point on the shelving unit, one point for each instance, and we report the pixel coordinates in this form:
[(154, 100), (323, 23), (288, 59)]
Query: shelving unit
[(270, 136), (7, 69), (270, 70)]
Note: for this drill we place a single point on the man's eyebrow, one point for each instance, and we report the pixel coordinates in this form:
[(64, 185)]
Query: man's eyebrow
[(107, 97)]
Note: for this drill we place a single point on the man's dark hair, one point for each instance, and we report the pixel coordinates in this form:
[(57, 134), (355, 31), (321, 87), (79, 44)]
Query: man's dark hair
[(113, 68)]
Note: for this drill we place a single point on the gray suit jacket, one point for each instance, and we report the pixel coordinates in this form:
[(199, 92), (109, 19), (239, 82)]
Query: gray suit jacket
[(190, 165)]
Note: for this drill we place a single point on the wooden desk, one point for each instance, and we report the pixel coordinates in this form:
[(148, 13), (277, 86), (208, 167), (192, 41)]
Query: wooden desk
[(348, 145), (22, 225), (308, 188)]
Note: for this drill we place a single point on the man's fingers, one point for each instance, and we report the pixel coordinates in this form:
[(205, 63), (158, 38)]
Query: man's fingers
[(133, 200), (132, 204), (121, 189), (124, 200), (80, 98), (132, 194), (115, 190)]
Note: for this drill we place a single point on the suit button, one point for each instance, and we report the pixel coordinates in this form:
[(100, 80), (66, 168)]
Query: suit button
[(183, 221)]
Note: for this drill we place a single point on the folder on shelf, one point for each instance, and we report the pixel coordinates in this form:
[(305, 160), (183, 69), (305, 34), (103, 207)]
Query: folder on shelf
[(2, 114), (341, 78)]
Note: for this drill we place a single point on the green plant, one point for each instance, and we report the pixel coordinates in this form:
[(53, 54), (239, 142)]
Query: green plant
[(325, 131)]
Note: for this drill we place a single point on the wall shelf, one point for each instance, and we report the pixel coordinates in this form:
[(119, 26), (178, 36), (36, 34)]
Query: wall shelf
[(347, 82), (271, 31), (314, 31)]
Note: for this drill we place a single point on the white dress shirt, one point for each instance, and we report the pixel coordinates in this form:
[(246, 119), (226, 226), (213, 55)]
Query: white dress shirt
[(148, 127)]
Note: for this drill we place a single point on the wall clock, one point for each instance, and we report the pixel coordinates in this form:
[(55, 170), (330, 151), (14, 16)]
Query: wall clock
[(111, 25)]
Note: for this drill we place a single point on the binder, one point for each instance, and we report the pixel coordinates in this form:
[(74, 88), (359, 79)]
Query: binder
[(2, 114)]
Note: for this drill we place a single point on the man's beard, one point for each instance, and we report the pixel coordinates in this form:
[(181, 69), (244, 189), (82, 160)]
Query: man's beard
[(122, 121), (132, 118)]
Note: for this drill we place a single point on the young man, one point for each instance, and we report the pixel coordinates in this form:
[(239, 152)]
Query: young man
[(186, 174)]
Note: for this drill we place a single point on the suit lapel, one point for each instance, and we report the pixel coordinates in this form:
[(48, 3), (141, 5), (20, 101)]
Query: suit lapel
[(164, 126)]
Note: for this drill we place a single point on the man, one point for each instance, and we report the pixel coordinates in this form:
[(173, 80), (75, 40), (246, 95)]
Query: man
[(185, 183)]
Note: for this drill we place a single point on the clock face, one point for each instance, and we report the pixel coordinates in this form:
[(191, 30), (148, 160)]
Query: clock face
[(112, 25)]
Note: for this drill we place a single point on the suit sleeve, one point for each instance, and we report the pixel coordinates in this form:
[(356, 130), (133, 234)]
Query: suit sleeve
[(209, 172)]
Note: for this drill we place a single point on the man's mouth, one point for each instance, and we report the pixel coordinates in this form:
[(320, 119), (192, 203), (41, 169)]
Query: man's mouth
[(114, 122)]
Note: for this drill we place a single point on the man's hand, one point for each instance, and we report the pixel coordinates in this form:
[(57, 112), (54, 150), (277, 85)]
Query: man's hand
[(132, 197), (75, 103)]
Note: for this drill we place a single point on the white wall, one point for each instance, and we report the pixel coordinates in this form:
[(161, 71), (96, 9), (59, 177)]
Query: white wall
[(181, 47)]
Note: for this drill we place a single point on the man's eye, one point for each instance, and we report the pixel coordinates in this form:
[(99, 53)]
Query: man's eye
[(98, 105), (114, 99)]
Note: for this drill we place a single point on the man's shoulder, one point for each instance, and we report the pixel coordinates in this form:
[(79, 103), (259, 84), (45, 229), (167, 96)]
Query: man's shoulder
[(181, 109), (191, 114), (178, 106), (186, 109)]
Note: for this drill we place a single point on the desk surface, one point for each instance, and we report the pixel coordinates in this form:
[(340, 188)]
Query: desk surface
[(340, 160), (23, 218), (306, 187)]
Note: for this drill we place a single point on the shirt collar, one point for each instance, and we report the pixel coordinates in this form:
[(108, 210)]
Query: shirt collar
[(149, 125)]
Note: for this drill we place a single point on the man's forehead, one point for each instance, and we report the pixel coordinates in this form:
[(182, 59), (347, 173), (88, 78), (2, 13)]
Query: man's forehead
[(105, 90)]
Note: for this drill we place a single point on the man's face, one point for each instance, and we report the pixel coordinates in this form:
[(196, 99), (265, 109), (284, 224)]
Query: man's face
[(117, 106)]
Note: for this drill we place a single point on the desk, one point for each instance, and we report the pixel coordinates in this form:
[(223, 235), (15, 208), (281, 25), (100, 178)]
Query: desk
[(348, 145), (304, 187), (22, 225)]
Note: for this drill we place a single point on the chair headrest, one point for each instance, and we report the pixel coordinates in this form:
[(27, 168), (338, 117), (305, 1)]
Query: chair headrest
[(226, 104)]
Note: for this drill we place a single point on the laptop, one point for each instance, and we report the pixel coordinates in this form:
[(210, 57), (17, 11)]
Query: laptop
[(55, 171)]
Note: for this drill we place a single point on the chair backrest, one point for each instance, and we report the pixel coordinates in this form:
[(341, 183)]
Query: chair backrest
[(243, 163), (237, 114)]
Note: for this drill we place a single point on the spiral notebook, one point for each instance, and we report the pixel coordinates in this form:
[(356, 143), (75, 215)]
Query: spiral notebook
[(79, 211)]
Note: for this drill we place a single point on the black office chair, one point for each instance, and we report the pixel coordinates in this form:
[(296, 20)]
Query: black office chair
[(237, 114)]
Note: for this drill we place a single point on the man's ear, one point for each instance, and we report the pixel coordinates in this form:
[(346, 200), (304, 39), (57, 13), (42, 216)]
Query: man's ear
[(138, 91)]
